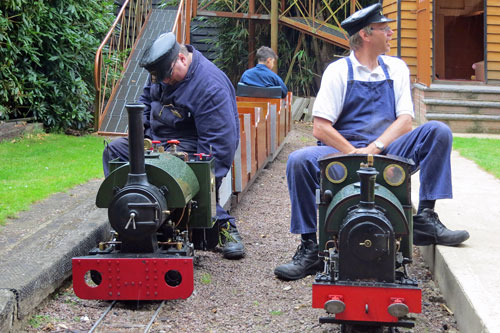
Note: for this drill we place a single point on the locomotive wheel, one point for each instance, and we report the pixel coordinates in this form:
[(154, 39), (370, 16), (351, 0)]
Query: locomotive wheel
[(346, 328)]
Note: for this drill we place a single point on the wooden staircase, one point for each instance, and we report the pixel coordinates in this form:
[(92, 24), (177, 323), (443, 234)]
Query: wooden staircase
[(465, 108)]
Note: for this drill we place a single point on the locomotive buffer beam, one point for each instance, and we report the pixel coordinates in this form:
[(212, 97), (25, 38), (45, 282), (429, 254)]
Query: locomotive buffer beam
[(133, 277)]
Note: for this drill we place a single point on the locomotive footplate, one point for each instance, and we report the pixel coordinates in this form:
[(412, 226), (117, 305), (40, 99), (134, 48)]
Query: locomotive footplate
[(367, 301), (133, 277)]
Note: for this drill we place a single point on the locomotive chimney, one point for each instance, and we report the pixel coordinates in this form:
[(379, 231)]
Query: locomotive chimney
[(136, 143), (367, 176)]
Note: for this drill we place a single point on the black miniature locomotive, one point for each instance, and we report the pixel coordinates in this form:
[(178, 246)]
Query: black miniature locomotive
[(154, 202), (365, 239)]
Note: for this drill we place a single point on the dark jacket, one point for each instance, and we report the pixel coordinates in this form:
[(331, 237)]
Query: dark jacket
[(199, 111), (261, 76)]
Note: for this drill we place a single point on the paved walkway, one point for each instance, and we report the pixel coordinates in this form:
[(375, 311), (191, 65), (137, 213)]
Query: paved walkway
[(36, 249), (468, 275)]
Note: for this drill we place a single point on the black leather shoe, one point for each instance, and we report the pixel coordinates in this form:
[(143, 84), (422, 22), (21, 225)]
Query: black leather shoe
[(305, 262), (233, 244), (428, 230)]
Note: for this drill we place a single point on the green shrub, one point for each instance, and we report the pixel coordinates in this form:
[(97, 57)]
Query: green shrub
[(47, 51)]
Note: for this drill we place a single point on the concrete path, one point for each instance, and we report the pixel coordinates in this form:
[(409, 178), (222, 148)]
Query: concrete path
[(37, 247), (468, 274)]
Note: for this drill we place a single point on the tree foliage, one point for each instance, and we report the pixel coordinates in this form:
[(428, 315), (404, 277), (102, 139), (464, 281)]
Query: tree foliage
[(47, 50)]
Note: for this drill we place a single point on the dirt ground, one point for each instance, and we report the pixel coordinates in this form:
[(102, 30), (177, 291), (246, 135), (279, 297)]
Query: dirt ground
[(242, 295)]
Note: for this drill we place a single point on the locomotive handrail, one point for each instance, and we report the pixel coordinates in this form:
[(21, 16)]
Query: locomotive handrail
[(113, 54)]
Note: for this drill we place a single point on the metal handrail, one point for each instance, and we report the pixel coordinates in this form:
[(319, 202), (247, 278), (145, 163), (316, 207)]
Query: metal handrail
[(113, 55), (182, 21)]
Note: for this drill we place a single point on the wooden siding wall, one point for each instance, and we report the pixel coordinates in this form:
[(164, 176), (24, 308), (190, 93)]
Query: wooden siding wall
[(409, 35), (493, 41), (408, 31)]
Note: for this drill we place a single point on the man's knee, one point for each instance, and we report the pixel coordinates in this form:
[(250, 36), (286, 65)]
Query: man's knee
[(438, 132), (300, 158)]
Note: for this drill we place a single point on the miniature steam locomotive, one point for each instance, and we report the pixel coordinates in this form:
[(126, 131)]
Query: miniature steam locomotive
[(365, 240), (154, 203)]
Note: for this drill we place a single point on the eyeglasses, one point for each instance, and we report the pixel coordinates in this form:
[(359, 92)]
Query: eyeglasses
[(169, 73), (384, 29)]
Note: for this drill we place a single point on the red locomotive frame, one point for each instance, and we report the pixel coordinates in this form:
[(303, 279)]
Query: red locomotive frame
[(367, 303), (133, 278)]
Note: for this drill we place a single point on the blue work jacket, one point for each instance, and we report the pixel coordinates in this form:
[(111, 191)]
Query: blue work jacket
[(261, 76), (199, 111)]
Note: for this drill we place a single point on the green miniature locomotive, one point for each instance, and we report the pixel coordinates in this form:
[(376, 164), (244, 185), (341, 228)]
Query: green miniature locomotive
[(365, 239), (154, 203)]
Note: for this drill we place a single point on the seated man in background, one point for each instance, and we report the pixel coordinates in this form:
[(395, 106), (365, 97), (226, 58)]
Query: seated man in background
[(262, 74), (364, 106), (189, 99)]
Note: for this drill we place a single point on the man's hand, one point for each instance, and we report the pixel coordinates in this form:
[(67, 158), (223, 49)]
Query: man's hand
[(370, 149)]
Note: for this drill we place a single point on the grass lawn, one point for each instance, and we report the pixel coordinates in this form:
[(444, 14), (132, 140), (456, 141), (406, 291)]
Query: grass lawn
[(38, 165), (485, 152)]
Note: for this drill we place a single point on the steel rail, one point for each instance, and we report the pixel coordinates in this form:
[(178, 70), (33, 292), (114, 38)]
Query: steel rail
[(110, 307), (102, 317), (150, 324)]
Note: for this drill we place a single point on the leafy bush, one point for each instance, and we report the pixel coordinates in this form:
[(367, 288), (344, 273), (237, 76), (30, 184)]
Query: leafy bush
[(47, 51)]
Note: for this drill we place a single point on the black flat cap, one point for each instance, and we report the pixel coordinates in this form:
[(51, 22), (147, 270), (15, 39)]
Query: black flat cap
[(158, 57), (363, 18)]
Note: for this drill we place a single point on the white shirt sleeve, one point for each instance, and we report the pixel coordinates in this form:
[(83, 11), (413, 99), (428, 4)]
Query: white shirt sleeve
[(330, 98)]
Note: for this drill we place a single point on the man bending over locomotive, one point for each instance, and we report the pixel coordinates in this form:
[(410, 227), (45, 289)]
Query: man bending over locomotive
[(364, 106), (188, 99)]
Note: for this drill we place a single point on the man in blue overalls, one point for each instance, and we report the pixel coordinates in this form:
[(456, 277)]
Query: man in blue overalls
[(189, 99), (364, 106)]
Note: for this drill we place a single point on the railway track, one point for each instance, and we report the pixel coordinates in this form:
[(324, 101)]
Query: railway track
[(140, 320)]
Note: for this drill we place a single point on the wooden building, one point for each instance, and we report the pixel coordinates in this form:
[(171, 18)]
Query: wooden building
[(452, 48)]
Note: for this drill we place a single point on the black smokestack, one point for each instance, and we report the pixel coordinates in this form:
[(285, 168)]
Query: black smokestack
[(136, 139), (367, 176)]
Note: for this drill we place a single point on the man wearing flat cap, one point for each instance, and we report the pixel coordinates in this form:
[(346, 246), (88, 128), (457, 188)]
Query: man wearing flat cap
[(189, 99), (364, 106)]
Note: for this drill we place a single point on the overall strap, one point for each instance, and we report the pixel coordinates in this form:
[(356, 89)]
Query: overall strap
[(350, 73), (384, 67)]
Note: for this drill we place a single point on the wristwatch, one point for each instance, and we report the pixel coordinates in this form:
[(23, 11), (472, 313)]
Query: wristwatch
[(379, 145)]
